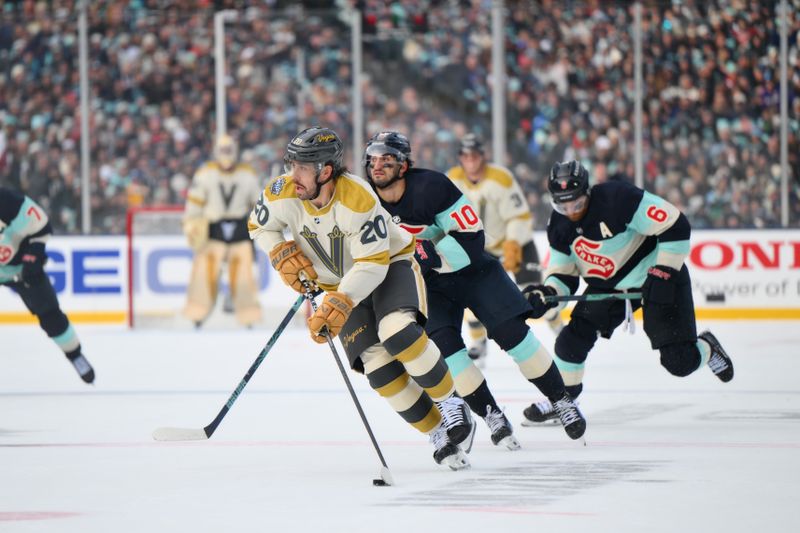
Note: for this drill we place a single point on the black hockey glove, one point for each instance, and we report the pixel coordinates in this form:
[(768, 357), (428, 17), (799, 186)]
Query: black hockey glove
[(33, 259), (659, 286), (536, 297), (426, 256)]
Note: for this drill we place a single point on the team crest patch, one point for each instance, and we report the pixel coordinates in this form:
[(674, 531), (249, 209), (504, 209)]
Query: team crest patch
[(277, 186)]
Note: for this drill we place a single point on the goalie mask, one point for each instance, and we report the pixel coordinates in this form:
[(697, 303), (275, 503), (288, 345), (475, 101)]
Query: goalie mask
[(226, 152)]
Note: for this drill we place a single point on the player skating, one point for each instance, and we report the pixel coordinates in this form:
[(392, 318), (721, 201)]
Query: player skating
[(507, 225), (345, 242), (459, 274), (617, 237), (24, 231)]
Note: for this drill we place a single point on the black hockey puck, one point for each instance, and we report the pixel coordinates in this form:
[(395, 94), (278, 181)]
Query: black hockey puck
[(379, 483)]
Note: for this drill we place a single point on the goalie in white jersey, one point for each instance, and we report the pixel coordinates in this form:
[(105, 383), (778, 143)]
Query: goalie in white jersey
[(345, 242), (217, 206), (507, 224)]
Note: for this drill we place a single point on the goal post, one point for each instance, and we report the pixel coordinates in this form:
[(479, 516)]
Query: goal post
[(147, 228)]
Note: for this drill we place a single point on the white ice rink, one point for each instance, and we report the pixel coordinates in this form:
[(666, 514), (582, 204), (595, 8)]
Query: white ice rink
[(664, 454)]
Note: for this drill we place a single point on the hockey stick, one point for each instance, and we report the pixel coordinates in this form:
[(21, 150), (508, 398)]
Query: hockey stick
[(594, 297), (173, 433), (386, 476)]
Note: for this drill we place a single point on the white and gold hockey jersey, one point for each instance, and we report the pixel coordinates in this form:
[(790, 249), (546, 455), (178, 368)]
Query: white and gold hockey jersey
[(219, 195), (501, 206), (351, 241)]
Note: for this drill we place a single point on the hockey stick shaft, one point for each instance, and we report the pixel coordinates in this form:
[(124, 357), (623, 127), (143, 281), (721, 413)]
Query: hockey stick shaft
[(206, 432), (310, 296), (594, 297)]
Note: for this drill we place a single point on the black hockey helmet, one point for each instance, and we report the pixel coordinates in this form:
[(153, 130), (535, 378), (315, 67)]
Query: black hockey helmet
[(471, 143), (568, 180), (389, 142), (316, 145)]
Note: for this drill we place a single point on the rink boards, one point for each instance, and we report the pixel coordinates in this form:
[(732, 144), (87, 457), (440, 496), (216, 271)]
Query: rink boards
[(758, 271)]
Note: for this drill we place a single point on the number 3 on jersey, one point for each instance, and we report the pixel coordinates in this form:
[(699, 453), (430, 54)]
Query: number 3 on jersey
[(465, 217)]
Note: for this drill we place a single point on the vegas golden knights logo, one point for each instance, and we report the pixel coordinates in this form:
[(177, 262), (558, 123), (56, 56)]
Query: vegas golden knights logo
[(334, 260)]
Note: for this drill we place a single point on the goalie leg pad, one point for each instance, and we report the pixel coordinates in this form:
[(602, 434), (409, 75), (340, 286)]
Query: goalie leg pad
[(388, 377), (201, 294), (244, 289), (405, 339), (680, 359)]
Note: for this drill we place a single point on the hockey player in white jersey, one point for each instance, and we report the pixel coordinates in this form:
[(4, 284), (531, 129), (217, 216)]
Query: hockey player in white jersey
[(24, 231), (218, 203), (375, 301), (507, 223)]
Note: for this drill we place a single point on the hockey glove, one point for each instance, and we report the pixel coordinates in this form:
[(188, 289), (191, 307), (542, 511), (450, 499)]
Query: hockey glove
[(290, 262), (426, 256), (512, 256), (536, 297), (659, 286), (196, 231), (330, 316), (33, 259)]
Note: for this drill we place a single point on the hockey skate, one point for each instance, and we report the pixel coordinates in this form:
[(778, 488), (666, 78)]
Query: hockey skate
[(719, 362), (501, 428), (82, 366), (540, 413), (446, 452), (458, 422), (571, 417)]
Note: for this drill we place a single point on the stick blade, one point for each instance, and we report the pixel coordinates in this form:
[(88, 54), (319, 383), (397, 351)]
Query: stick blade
[(178, 434), (386, 476)]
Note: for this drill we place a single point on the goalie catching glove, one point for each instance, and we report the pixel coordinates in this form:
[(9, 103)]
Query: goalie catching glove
[(536, 295), (512, 256), (330, 316), (293, 265)]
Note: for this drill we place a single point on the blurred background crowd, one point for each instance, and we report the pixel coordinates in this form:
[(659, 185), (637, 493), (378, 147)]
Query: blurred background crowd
[(711, 108)]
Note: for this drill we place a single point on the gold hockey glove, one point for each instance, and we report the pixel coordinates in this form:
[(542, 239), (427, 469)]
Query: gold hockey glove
[(512, 256), (331, 315), (290, 262)]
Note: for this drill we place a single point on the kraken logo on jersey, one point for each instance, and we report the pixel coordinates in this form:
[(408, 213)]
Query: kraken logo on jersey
[(333, 261)]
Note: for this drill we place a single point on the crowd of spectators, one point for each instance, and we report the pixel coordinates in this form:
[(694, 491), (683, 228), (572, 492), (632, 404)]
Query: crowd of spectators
[(711, 113)]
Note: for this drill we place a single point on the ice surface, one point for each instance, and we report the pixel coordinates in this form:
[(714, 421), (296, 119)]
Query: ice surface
[(664, 454)]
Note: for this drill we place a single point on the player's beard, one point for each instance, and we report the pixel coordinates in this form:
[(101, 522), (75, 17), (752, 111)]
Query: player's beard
[(388, 178)]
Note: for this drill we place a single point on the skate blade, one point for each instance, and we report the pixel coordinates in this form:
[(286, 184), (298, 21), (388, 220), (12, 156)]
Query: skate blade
[(531, 424), (511, 443), (457, 461)]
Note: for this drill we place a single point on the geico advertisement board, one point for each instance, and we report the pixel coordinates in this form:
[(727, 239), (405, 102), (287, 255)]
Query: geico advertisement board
[(758, 271), (91, 277)]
